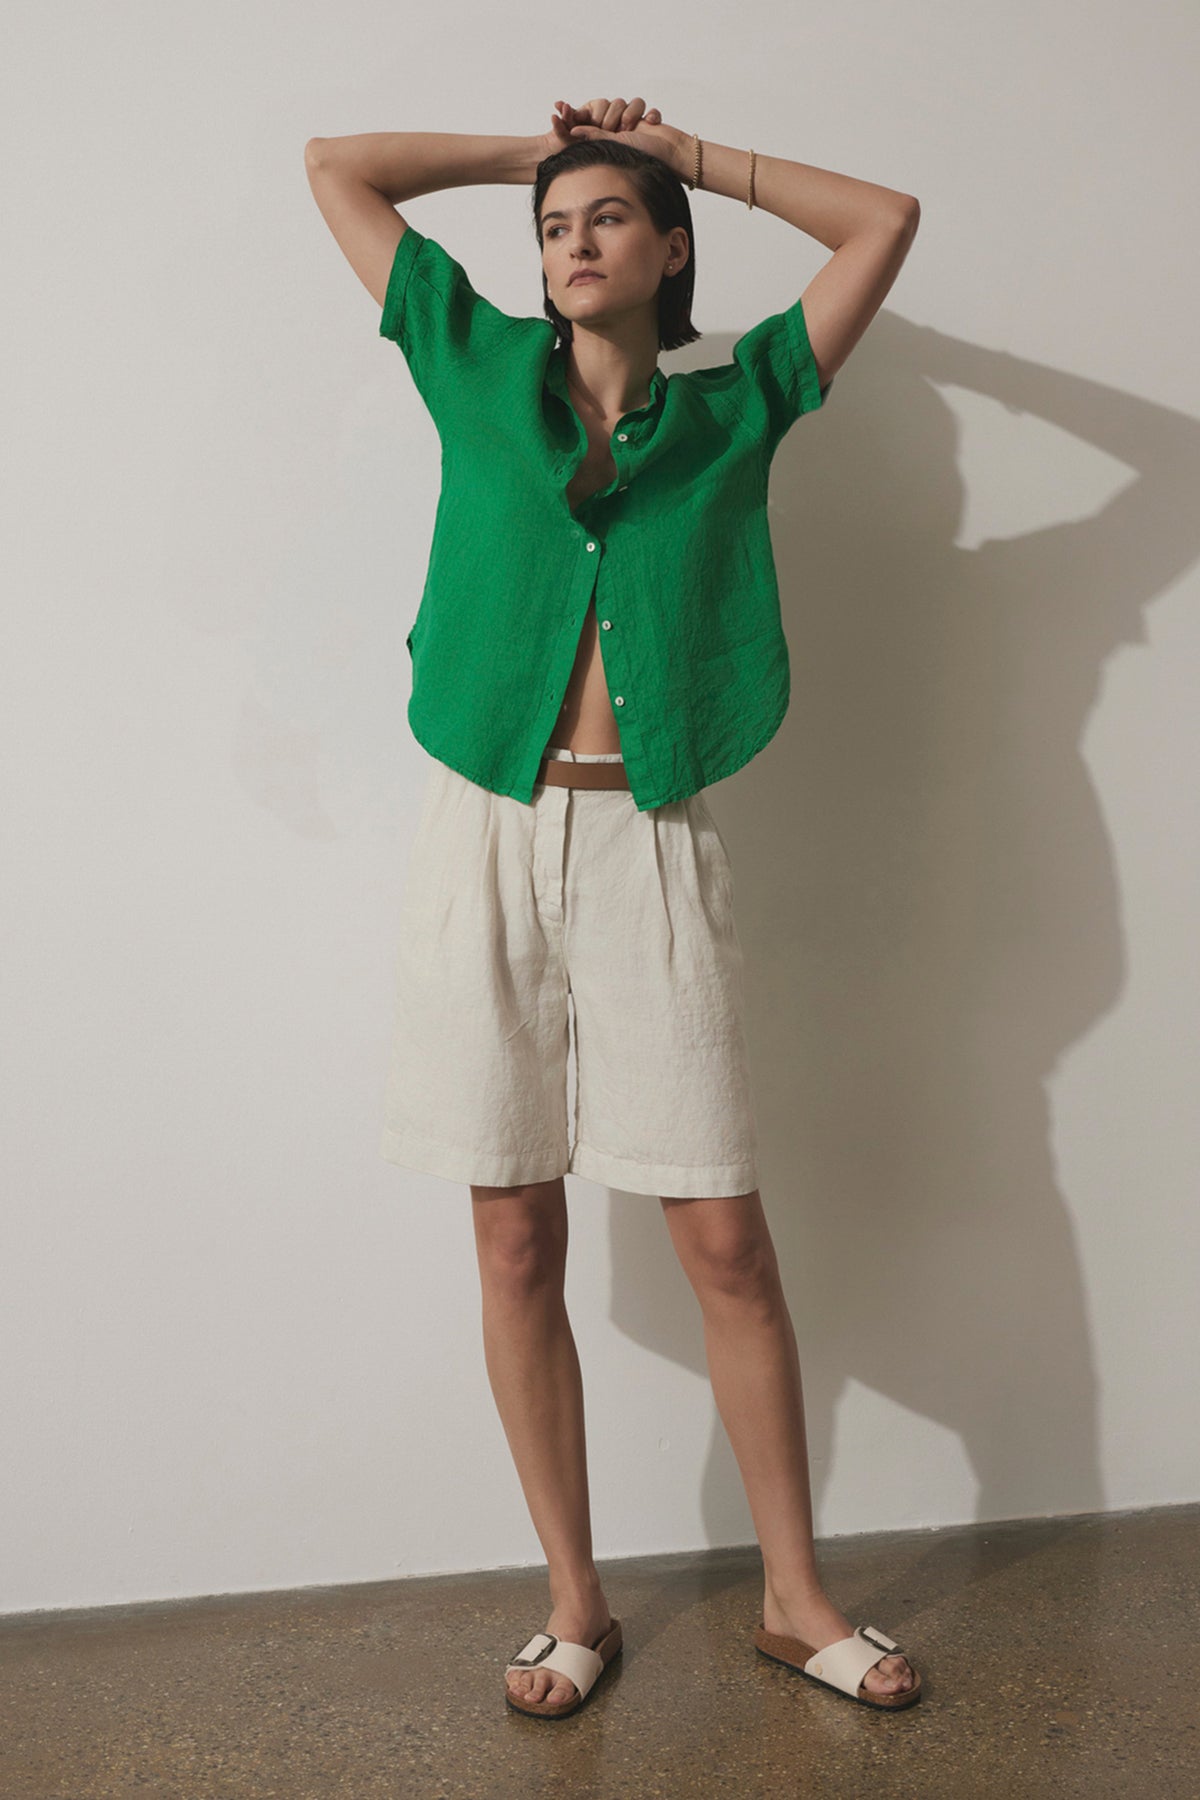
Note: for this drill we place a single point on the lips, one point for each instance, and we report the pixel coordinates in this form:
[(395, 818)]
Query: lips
[(585, 275)]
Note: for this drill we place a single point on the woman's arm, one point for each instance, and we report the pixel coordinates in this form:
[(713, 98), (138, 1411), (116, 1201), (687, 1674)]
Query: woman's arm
[(356, 181), (869, 228), (401, 164), (829, 207)]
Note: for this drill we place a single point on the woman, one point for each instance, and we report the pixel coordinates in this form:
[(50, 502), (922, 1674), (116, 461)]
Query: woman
[(599, 639)]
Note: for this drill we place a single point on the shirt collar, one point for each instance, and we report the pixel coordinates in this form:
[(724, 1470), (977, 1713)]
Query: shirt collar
[(556, 380)]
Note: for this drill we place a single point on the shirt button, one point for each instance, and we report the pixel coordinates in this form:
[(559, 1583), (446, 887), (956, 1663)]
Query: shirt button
[(622, 437), (620, 700), (606, 624), (591, 546), (622, 487)]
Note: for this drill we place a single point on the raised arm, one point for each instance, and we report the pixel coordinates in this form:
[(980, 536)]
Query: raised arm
[(357, 182), (870, 230)]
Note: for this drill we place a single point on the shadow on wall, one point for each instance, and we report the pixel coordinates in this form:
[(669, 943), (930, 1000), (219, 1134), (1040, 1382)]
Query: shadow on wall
[(927, 900)]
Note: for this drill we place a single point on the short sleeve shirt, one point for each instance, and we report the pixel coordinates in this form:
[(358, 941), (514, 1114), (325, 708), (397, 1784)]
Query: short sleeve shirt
[(674, 554)]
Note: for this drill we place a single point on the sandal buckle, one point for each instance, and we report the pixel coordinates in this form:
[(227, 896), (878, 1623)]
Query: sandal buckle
[(531, 1662)]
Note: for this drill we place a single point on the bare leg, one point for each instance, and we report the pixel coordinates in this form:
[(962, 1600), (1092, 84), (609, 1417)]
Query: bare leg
[(725, 1248), (533, 1367)]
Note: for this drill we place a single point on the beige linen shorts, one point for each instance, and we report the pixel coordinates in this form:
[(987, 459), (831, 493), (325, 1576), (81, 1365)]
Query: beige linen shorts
[(519, 922)]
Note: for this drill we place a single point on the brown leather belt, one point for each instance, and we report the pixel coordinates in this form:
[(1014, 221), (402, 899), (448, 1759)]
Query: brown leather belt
[(556, 773)]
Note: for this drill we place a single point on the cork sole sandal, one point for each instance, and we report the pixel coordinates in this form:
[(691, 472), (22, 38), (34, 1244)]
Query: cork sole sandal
[(577, 1662), (841, 1667)]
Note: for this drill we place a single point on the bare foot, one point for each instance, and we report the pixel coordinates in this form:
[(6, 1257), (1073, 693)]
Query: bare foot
[(578, 1624), (815, 1620)]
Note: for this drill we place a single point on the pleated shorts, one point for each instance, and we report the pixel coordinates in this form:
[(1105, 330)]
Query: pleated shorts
[(572, 930)]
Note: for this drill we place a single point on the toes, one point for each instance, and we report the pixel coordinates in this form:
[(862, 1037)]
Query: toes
[(555, 1690), (541, 1687), (897, 1677)]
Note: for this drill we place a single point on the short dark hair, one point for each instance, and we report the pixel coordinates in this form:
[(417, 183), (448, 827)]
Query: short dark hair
[(665, 198)]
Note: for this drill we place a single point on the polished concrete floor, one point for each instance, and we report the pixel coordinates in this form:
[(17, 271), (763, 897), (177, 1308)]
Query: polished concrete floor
[(1059, 1657)]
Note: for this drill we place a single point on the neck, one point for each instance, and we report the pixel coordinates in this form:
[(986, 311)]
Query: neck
[(607, 378)]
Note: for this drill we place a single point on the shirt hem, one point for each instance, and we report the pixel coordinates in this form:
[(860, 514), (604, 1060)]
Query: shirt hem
[(524, 793), (725, 771)]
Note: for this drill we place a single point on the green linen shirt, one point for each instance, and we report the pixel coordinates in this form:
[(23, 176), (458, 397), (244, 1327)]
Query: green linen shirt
[(675, 553)]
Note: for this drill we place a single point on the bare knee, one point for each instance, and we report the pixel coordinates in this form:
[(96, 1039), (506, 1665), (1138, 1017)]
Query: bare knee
[(738, 1271), (725, 1247), (521, 1236)]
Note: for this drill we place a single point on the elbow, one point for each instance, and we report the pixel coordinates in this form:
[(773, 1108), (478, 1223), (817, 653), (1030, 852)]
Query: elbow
[(910, 213), (313, 152), (899, 218)]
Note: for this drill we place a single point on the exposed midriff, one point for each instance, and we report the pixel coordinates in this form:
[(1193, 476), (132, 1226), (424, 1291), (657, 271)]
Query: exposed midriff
[(586, 721)]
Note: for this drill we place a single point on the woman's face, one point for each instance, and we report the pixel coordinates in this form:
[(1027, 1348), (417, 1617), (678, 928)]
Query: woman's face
[(593, 221)]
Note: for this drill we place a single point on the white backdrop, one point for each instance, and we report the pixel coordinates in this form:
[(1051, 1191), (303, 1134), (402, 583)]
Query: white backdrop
[(240, 1350)]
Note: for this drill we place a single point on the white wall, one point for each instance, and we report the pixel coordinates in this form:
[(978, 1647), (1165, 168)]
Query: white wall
[(240, 1350)]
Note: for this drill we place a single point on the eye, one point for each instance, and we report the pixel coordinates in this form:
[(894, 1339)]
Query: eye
[(615, 217)]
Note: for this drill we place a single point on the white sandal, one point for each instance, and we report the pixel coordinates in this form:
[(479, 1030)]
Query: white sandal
[(841, 1666), (577, 1662)]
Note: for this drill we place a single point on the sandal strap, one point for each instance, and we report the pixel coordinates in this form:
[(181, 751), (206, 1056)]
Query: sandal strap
[(576, 1661), (844, 1664)]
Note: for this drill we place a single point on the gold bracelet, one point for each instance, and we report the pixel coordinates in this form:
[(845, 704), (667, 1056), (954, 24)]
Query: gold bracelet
[(694, 181)]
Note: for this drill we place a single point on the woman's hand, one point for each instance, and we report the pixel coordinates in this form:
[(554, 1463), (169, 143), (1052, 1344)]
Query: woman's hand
[(625, 123)]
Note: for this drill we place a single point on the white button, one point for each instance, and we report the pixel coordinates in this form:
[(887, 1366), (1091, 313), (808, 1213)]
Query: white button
[(622, 437), (622, 487), (591, 546), (620, 701), (606, 624)]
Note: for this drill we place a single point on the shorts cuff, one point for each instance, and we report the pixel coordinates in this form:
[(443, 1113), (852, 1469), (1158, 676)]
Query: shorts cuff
[(694, 1181), (512, 1169)]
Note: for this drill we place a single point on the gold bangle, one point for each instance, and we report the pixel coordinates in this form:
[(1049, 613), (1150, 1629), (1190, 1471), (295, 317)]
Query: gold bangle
[(694, 180)]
